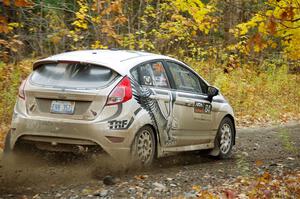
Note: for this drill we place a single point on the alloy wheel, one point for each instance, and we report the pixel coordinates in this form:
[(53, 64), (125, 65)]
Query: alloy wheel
[(144, 146), (226, 138)]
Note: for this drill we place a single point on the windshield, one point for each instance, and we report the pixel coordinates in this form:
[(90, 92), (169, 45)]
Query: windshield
[(73, 75)]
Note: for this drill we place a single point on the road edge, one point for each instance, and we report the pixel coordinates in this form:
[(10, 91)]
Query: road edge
[(268, 128)]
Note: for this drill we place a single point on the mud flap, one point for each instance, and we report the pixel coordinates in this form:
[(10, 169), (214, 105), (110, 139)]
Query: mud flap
[(7, 148), (215, 151)]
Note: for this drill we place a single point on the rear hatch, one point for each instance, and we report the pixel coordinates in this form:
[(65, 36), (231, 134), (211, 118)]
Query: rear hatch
[(69, 90)]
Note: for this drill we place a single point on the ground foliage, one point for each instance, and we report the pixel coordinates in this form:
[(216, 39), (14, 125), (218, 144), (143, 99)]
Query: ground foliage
[(266, 185)]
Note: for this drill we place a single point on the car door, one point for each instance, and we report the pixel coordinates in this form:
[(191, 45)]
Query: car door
[(192, 107), (159, 103)]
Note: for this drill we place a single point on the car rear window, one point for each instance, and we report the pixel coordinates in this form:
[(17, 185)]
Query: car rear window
[(73, 75)]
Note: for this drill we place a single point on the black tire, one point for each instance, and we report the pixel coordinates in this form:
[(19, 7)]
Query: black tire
[(225, 138), (144, 147)]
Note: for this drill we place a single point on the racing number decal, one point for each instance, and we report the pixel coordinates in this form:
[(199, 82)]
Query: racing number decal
[(201, 107), (115, 124)]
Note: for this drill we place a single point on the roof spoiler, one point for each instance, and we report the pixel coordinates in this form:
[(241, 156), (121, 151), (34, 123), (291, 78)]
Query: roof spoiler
[(41, 62)]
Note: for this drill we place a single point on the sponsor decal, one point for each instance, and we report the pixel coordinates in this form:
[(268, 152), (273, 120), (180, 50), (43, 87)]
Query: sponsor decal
[(160, 122), (118, 124), (201, 107), (123, 124)]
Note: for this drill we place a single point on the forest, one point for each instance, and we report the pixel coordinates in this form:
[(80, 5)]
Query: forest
[(249, 49)]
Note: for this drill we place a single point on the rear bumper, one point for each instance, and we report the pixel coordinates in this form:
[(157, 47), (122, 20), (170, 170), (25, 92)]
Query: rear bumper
[(117, 143)]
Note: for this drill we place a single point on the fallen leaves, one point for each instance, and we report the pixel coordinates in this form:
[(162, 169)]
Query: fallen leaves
[(266, 185), (259, 163), (141, 177), (230, 194)]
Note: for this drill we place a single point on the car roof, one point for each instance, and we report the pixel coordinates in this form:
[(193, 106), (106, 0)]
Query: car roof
[(120, 61)]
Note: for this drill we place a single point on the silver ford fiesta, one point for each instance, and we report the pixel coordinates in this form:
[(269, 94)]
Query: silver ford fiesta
[(134, 106)]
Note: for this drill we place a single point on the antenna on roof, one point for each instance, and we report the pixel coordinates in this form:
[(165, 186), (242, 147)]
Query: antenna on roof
[(116, 49)]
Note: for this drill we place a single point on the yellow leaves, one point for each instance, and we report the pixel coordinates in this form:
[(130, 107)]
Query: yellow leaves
[(97, 45), (96, 19), (80, 24), (262, 28), (272, 44), (14, 25), (81, 16), (199, 12), (75, 35), (243, 28), (279, 23), (292, 44)]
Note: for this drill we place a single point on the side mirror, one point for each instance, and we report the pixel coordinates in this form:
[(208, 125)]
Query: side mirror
[(211, 92)]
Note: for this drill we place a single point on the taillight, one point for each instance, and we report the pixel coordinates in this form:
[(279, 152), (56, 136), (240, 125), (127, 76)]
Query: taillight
[(121, 93), (21, 89)]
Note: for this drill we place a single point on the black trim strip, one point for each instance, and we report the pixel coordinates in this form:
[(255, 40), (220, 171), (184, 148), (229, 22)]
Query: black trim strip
[(130, 122), (137, 111)]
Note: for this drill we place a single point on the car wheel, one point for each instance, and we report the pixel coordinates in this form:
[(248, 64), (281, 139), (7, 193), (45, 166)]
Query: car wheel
[(225, 138), (144, 147)]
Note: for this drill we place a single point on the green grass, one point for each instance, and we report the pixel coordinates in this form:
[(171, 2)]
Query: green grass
[(287, 141)]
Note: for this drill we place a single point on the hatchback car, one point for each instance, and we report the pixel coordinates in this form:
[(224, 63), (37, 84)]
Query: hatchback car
[(133, 105)]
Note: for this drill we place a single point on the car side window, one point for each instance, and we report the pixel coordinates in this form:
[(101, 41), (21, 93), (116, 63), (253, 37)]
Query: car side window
[(135, 74), (184, 79), (152, 74)]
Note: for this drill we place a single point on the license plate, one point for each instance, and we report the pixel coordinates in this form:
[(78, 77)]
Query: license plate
[(63, 107)]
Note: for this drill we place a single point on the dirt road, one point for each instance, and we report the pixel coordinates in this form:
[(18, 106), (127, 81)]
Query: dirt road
[(276, 149)]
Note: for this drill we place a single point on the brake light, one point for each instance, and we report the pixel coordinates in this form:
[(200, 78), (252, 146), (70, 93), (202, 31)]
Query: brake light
[(21, 89), (121, 93)]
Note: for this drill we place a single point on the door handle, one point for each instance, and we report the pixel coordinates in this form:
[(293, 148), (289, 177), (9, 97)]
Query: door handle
[(185, 102), (189, 102)]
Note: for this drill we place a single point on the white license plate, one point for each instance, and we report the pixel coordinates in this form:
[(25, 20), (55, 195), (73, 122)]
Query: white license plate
[(63, 107)]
